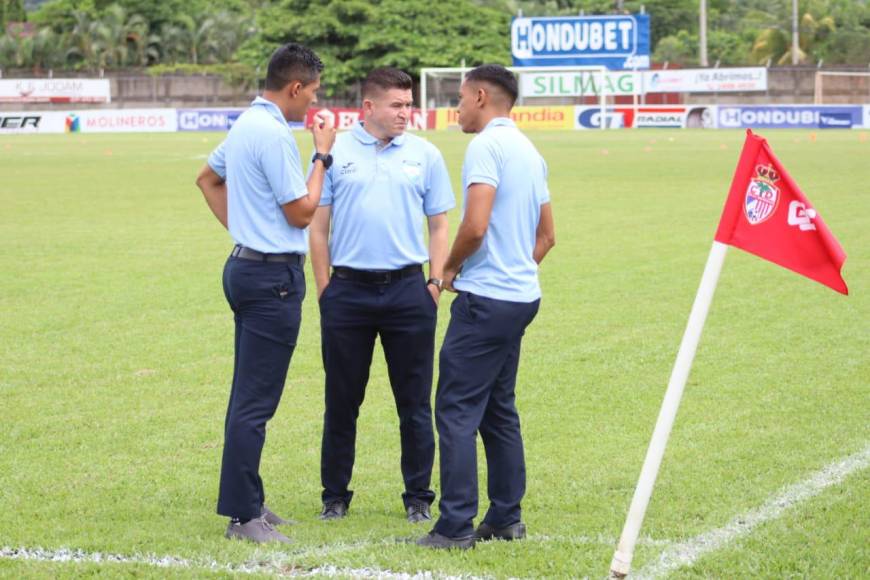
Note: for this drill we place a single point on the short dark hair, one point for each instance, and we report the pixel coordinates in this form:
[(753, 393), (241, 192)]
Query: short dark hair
[(292, 62), (386, 78), (498, 76)]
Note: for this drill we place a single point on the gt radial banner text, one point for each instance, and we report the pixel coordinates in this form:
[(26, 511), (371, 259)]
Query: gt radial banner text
[(55, 91), (617, 42)]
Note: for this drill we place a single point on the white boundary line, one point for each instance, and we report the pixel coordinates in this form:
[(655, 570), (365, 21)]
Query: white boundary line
[(276, 563), (687, 553), (673, 557)]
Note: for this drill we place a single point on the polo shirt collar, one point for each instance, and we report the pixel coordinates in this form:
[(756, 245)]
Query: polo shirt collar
[(366, 138), (271, 107), (500, 122)]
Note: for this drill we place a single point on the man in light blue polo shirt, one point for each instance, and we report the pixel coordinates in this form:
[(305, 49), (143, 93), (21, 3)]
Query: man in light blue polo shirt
[(384, 183), (506, 230), (253, 184)]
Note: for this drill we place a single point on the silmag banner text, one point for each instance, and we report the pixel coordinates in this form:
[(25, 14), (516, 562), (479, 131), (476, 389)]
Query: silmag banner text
[(617, 42)]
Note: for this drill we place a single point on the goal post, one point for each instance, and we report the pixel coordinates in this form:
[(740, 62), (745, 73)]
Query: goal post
[(858, 83), (439, 87)]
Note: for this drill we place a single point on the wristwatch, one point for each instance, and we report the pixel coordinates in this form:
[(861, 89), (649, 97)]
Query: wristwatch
[(437, 282), (326, 159)]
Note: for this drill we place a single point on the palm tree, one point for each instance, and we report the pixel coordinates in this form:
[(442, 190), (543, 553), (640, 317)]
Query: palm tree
[(198, 38), (229, 33), (47, 50), (84, 40)]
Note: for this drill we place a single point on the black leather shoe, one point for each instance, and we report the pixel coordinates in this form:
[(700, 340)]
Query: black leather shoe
[(437, 541), (333, 510), (418, 512), (515, 531)]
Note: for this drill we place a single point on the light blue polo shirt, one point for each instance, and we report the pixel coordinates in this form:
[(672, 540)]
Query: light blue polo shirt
[(503, 267), (260, 162), (379, 197)]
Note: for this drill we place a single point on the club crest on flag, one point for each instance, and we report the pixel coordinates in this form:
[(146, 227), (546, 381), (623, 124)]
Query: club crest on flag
[(762, 196)]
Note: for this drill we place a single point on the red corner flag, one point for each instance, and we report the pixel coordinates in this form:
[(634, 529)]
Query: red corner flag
[(767, 215)]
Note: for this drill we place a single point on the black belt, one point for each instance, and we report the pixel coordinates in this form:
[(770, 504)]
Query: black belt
[(379, 277), (249, 254)]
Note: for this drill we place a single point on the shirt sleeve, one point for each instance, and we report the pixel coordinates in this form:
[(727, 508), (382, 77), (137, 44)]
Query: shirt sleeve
[(544, 196), (439, 196), (218, 161), (481, 163), (282, 168)]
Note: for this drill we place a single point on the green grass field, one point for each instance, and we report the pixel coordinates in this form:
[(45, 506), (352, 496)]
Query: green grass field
[(116, 356)]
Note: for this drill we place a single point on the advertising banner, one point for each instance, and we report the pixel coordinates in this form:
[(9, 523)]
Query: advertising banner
[(207, 119), (578, 84), (617, 42), (559, 117), (692, 117), (866, 117), (790, 117), (346, 118), (123, 121), (32, 122), (55, 91), (711, 80), (590, 83)]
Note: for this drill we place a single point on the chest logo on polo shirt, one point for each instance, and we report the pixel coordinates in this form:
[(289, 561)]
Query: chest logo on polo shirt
[(348, 168), (412, 169)]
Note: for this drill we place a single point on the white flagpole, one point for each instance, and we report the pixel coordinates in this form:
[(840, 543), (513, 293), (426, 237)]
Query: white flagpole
[(621, 563)]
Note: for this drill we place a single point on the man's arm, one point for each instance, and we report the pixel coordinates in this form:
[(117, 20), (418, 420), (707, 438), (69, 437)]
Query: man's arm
[(545, 234), (214, 189), (319, 247), (300, 212), (438, 234), (478, 208)]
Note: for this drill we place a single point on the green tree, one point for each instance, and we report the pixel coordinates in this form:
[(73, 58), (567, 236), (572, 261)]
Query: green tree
[(120, 37), (84, 48), (352, 36), (11, 11), (47, 50), (728, 48), (331, 27), (679, 49), (411, 34)]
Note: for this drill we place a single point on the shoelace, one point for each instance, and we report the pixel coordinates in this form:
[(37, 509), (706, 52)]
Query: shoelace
[(418, 509), (332, 509), (266, 524)]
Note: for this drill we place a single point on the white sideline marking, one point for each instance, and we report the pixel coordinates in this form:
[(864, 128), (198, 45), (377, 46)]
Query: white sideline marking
[(687, 553), (278, 563), (600, 539)]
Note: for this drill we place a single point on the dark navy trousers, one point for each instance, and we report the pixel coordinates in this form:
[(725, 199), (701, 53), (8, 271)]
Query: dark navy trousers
[(266, 299), (352, 315), (478, 372)]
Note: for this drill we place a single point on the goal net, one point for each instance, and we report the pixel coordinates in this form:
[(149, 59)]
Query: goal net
[(539, 86)]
